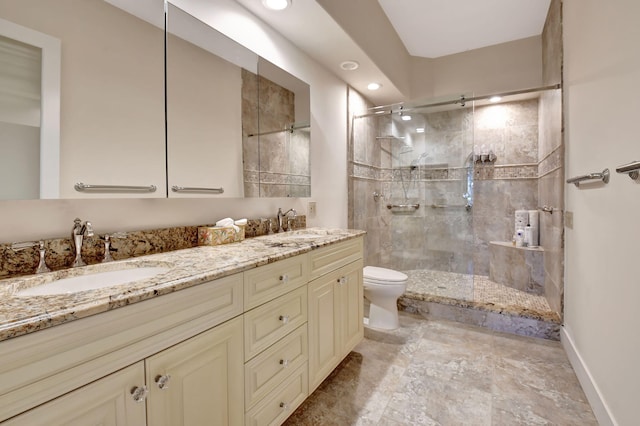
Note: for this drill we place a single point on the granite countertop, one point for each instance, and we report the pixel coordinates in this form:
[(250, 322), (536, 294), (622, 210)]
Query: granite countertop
[(21, 315)]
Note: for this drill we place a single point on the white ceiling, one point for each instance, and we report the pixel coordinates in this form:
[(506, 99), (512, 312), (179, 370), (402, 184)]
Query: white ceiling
[(429, 28), (433, 28)]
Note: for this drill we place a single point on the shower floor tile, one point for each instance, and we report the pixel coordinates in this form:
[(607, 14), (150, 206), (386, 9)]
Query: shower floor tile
[(476, 291)]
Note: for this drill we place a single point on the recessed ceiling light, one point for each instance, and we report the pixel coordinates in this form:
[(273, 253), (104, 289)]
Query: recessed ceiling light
[(349, 65), (495, 99), (420, 130), (276, 4), (374, 86), (406, 117)]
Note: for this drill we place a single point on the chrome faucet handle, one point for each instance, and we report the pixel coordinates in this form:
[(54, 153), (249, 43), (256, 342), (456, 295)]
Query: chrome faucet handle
[(88, 229), (107, 245), (42, 264), (279, 217), (107, 249)]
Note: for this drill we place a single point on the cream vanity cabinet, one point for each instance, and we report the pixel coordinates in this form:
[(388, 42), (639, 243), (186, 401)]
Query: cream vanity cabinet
[(195, 382), (244, 349), (171, 360), (335, 298)]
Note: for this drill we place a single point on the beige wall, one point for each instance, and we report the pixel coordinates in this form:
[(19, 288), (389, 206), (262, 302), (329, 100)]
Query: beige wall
[(602, 101), (503, 67)]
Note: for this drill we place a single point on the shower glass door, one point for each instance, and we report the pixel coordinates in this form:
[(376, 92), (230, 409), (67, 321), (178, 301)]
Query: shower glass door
[(432, 167), (419, 161)]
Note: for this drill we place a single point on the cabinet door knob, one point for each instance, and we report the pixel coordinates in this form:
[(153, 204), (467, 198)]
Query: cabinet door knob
[(284, 319), (284, 363), (163, 381), (284, 278), (284, 406), (139, 393), (342, 280)]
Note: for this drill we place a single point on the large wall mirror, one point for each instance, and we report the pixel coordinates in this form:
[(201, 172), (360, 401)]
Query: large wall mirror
[(81, 100), (237, 125), (82, 106)]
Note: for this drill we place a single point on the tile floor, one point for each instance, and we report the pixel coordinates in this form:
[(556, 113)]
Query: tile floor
[(436, 372)]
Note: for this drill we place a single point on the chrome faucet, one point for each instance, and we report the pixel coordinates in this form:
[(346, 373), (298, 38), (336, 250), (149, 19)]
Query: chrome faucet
[(78, 232), (280, 216)]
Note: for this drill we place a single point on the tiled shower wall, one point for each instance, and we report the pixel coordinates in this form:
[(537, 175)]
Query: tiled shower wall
[(551, 158), (442, 234)]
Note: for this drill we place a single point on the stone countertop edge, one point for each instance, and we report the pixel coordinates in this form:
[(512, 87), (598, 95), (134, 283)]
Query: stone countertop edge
[(189, 267)]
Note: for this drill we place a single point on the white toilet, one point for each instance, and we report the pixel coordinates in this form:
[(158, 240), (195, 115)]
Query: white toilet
[(383, 287)]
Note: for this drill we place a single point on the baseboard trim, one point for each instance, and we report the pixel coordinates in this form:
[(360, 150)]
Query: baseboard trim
[(589, 386)]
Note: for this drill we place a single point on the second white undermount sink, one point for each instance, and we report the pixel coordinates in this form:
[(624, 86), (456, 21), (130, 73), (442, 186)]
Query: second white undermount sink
[(93, 281)]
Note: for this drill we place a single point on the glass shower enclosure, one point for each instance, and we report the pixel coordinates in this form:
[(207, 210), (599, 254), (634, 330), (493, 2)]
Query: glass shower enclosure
[(436, 186), (417, 197)]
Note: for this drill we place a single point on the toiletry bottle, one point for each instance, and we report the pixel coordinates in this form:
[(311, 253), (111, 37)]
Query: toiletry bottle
[(528, 236), (519, 238)]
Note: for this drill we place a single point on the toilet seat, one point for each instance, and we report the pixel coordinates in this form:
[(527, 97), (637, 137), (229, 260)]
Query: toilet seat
[(377, 275)]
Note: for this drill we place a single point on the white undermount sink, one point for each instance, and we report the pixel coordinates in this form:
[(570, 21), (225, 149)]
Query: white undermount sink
[(92, 281)]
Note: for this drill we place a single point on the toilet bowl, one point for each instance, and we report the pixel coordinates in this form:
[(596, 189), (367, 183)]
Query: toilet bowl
[(383, 287)]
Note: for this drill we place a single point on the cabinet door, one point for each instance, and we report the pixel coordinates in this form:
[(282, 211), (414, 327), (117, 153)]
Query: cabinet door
[(199, 381), (351, 306), (107, 401), (335, 319), (324, 337)]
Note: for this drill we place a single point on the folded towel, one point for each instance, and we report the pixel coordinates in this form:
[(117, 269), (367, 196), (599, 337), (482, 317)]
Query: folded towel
[(240, 222)]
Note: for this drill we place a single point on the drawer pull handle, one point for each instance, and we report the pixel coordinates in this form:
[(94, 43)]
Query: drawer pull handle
[(284, 363), (284, 278), (343, 280), (139, 393), (284, 406), (284, 319), (163, 381)]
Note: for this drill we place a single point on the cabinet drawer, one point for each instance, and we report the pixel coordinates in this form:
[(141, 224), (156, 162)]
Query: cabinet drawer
[(274, 409), (270, 281), (267, 370), (332, 257), (266, 324)]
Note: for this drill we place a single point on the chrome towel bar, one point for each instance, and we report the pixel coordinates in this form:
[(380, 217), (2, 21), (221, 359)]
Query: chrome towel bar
[(403, 206), (604, 177), (631, 169), (81, 187), (176, 188)]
